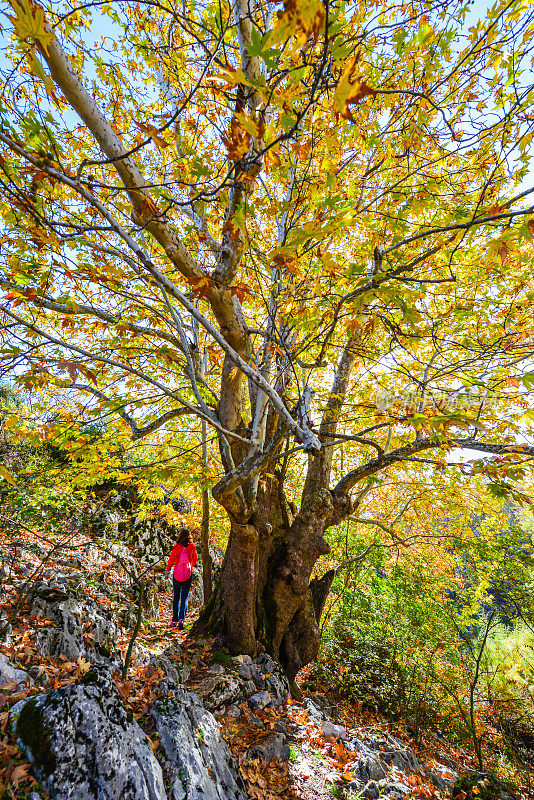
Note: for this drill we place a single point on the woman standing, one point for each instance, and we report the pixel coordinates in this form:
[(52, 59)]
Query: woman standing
[(184, 557)]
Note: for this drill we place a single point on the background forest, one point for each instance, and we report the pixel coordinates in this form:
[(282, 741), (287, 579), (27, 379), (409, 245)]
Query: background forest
[(266, 271)]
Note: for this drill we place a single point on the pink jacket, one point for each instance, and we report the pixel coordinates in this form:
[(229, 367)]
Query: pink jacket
[(175, 555)]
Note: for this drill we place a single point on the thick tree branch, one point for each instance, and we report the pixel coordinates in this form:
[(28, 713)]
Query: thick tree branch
[(308, 439), (146, 212), (320, 467), (66, 78), (74, 308), (127, 368), (251, 466), (403, 453), (137, 432)]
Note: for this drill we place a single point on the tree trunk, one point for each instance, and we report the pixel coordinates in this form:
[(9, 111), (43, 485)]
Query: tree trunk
[(264, 600), (231, 611), (205, 529)]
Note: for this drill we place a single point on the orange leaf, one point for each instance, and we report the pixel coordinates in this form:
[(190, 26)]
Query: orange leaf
[(19, 774), (149, 208), (350, 89), (340, 752)]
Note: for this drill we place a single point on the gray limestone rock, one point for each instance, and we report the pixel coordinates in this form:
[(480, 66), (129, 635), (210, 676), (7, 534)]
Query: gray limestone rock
[(245, 671), (84, 745), (249, 687), (257, 678), (272, 676), (392, 751), (274, 745), (10, 673), (243, 659), (442, 777), (393, 790), (367, 767), (6, 629), (84, 628), (314, 712), (438, 781), (125, 563), (171, 662), (371, 791), (198, 760), (259, 700), (221, 690), (140, 655), (330, 729)]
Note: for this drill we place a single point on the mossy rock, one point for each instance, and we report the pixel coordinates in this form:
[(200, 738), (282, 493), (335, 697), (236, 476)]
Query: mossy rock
[(32, 732), (103, 650), (90, 677), (485, 786), (51, 594), (222, 658)]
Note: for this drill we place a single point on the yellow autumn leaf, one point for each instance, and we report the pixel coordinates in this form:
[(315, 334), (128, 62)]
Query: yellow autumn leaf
[(303, 19), (6, 474), (350, 89), (30, 22)]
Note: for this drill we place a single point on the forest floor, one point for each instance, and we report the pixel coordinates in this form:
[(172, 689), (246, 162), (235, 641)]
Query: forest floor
[(317, 767)]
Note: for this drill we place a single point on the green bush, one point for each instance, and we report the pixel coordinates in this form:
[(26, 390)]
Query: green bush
[(508, 675), (391, 647), (357, 667)]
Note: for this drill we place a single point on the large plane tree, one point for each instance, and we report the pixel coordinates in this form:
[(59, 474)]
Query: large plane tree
[(303, 225)]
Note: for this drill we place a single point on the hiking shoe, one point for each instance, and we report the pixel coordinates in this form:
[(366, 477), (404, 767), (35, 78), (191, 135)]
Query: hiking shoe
[(173, 623), (180, 624)]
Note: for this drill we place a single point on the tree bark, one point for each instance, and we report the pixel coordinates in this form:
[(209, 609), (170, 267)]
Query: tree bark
[(205, 529), (232, 612), (264, 599)]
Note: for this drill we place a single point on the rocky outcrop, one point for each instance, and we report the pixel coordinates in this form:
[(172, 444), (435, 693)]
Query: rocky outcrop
[(261, 681), (392, 751), (269, 675), (84, 745), (368, 767), (10, 674), (442, 777), (272, 746), (173, 665), (377, 753), (197, 758), (331, 729), (83, 627), (219, 691)]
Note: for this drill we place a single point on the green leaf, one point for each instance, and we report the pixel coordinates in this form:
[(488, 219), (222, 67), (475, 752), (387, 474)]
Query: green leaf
[(6, 474)]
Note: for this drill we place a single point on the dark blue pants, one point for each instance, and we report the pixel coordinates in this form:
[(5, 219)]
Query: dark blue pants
[(181, 596)]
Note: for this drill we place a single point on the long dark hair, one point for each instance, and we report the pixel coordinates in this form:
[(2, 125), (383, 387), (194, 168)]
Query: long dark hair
[(184, 536)]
